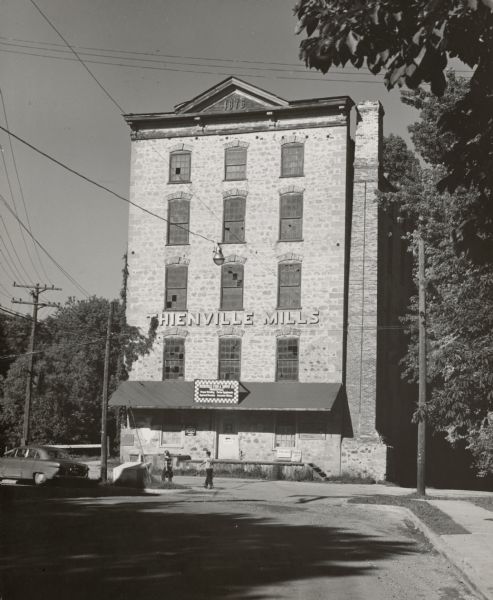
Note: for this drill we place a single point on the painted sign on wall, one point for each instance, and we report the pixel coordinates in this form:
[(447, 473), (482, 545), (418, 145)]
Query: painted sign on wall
[(222, 318)]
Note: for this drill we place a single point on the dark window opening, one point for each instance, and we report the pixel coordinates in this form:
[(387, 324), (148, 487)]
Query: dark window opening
[(291, 213), (292, 156), (289, 292), (232, 287), (178, 222), (235, 164), (287, 359), (179, 167), (234, 220), (229, 358), (174, 358), (176, 287)]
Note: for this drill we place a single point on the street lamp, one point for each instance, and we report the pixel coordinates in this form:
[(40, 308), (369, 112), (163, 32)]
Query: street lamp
[(218, 256)]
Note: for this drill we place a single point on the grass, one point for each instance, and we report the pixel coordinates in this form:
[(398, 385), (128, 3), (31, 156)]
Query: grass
[(434, 518)]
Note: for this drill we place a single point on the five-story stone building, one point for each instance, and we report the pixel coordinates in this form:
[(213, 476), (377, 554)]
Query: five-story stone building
[(271, 355)]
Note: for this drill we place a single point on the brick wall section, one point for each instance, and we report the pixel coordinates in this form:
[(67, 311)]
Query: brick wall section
[(365, 448)]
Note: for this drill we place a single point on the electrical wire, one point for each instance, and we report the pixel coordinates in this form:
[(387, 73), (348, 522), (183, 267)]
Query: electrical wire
[(14, 161), (295, 67), (101, 186), (12, 262), (322, 79), (67, 275), (76, 55), (15, 210)]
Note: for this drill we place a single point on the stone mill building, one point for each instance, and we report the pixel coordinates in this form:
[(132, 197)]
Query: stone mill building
[(270, 355)]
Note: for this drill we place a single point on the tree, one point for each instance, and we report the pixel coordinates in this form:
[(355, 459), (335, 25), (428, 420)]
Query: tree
[(412, 41), (68, 373), (459, 303)]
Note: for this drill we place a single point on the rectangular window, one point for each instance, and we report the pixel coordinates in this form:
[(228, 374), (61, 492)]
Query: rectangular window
[(289, 293), (171, 435), (174, 358), (232, 287), (287, 359), (178, 222), (291, 212), (285, 431), (234, 220), (176, 287), (229, 358), (179, 167), (235, 164), (292, 160)]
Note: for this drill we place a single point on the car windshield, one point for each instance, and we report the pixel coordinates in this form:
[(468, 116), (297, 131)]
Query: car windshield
[(56, 453)]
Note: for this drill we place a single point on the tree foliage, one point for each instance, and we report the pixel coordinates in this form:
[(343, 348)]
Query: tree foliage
[(459, 299), (68, 373), (412, 41)]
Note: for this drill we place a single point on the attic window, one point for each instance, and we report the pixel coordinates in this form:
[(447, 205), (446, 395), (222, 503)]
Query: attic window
[(179, 166)]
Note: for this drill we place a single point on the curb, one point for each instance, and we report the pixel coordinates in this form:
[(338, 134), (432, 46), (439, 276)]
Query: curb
[(461, 566)]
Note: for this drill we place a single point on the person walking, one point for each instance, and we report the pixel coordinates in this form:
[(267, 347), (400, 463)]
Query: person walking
[(167, 467), (209, 470)]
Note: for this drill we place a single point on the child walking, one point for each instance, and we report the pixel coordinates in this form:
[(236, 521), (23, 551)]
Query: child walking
[(209, 470)]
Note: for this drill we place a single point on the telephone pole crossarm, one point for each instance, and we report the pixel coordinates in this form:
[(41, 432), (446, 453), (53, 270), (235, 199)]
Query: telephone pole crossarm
[(35, 291)]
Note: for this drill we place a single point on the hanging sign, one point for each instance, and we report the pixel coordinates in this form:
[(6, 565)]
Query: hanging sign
[(216, 391)]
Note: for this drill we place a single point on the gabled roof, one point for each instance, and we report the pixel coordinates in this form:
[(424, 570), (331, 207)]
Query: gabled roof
[(245, 94)]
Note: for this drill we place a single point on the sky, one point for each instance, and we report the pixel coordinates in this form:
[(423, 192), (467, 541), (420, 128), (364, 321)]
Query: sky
[(148, 55)]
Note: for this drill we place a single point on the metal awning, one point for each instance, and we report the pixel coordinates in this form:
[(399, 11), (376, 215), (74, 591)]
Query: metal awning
[(173, 394)]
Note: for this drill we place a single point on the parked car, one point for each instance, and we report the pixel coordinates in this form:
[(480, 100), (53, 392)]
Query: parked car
[(40, 464)]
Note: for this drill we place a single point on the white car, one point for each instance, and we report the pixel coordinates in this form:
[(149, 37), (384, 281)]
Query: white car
[(40, 464)]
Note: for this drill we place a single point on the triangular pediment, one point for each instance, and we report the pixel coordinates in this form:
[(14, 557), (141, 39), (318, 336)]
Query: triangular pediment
[(231, 95)]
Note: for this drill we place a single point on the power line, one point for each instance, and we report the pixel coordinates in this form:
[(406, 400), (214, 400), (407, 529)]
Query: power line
[(14, 161), (15, 252), (322, 78), (158, 53), (101, 186), (76, 55), (15, 209), (67, 275)]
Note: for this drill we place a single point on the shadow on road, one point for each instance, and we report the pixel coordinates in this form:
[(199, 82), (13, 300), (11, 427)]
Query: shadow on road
[(148, 548)]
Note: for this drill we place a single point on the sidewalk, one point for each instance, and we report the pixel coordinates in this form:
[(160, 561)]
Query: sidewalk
[(471, 553)]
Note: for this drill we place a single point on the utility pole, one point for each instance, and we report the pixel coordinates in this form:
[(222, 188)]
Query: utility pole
[(421, 450), (104, 407), (35, 291)]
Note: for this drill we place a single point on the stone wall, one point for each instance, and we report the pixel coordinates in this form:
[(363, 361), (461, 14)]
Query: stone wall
[(321, 252)]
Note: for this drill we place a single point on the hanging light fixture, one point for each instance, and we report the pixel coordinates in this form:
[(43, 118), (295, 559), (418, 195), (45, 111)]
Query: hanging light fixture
[(218, 256)]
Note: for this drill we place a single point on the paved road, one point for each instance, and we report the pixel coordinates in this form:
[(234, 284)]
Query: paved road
[(238, 542)]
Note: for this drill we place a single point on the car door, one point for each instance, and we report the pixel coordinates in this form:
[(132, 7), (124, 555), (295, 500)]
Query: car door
[(29, 463), (12, 464)]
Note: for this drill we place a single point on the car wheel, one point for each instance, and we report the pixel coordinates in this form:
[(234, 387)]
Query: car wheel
[(39, 478)]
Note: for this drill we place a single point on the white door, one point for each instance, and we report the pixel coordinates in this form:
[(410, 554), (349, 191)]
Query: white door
[(227, 438)]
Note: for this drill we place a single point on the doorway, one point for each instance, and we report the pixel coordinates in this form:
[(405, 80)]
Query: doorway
[(227, 438)]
